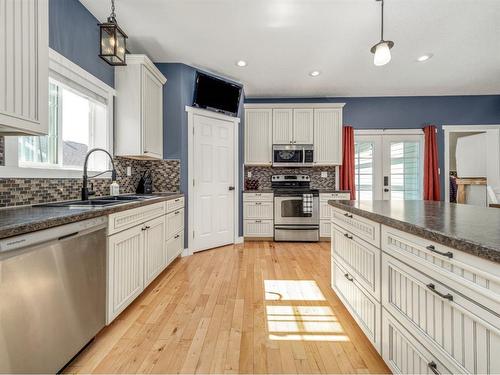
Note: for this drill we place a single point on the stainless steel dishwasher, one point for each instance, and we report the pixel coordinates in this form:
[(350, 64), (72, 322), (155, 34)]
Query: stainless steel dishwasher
[(52, 295)]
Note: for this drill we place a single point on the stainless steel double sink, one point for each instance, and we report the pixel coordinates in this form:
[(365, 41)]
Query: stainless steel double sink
[(98, 202)]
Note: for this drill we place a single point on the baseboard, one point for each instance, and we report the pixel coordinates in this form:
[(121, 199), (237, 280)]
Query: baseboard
[(185, 253)]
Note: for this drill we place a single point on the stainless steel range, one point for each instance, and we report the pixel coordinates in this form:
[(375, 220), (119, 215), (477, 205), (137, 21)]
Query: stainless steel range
[(296, 208)]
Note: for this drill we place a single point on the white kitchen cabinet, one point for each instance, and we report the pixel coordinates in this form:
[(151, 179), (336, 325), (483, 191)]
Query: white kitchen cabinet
[(258, 215), (328, 136), (154, 249), (258, 136), (24, 74), (175, 246), (303, 126), (125, 270), (139, 109), (325, 211), (258, 228), (282, 126)]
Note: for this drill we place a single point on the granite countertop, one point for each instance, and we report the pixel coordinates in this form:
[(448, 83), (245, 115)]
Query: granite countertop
[(326, 191), (259, 191), (474, 230), (20, 220)]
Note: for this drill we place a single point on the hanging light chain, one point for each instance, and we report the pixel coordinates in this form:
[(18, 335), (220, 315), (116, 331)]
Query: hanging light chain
[(381, 24), (113, 14)]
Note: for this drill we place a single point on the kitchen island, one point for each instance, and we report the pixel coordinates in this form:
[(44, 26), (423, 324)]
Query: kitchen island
[(422, 279)]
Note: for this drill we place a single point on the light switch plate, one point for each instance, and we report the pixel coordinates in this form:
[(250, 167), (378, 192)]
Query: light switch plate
[(129, 171), (249, 174), (324, 174)]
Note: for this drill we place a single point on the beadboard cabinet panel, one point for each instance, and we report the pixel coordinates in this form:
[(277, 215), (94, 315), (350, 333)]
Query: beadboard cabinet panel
[(152, 114), (24, 73), (258, 228), (258, 210), (282, 126), (445, 321), (328, 136), (363, 228), (258, 136), (303, 126), (155, 258)]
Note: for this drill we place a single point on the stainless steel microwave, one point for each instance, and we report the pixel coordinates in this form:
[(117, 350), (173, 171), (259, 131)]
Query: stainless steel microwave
[(293, 155)]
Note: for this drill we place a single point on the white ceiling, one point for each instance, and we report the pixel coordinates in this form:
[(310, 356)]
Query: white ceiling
[(283, 40)]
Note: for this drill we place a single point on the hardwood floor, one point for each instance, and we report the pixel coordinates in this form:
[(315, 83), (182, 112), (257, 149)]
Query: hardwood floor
[(260, 307)]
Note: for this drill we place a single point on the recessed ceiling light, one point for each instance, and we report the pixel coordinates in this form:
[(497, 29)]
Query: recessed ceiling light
[(241, 63), (424, 57), (314, 73)]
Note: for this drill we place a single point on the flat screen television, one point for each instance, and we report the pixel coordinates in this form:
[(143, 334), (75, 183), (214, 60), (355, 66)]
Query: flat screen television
[(216, 94)]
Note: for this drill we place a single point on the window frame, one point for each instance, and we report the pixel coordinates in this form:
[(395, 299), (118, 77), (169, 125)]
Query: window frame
[(60, 66)]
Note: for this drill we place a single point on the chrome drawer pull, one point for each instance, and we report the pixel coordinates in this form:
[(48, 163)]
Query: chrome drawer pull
[(348, 277), (348, 236), (448, 296), (348, 215), (432, 248), (258, 221), (433, 367)]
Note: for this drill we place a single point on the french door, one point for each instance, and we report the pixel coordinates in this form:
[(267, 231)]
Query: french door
[(389, 166)]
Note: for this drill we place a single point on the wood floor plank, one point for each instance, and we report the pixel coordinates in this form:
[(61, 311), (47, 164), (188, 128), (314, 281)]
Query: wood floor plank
[(258, 307)]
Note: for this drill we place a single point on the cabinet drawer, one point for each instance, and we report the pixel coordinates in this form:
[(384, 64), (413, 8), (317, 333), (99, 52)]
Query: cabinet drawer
[(446, 322), (174, 222), (324, 228), (325, 210), (175, 246), (334, 196), (361, 227), (476, 278), (261, 197), (363, 307), (360, 258), (404, 354), (130, 218), (174, 204), (258, 228), (258, 210)]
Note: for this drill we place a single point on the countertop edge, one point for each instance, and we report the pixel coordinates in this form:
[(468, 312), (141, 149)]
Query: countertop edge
[(466, 245), (51, 222)]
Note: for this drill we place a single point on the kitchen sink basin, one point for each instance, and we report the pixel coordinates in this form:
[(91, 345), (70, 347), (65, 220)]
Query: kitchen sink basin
[(97, 202)]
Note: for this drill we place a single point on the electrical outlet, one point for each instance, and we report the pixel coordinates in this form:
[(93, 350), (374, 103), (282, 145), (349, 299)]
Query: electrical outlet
[(249, 174), (129, 171), (324, 174)]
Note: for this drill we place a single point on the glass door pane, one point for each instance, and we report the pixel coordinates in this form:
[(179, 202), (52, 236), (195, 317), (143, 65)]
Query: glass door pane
[(404, 168), (363, 169)]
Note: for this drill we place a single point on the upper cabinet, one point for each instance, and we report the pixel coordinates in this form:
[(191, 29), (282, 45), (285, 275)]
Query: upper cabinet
[(328, 136), (139, 109), (293, 126), (316, 124), (258, 136), (24, 73)]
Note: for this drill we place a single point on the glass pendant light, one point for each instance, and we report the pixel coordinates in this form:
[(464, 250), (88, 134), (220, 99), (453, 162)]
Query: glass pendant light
[(113, 47), (382, 49)]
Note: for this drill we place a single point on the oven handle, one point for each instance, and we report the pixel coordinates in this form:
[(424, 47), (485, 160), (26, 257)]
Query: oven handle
[(298, 227)]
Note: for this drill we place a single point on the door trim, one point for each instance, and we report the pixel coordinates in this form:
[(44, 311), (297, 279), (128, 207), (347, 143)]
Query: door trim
[(191, 111)]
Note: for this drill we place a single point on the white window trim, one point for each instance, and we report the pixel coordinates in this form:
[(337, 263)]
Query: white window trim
[(62, 66)]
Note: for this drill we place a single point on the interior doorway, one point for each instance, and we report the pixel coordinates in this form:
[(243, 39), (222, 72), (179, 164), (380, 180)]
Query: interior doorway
[(389, 164)]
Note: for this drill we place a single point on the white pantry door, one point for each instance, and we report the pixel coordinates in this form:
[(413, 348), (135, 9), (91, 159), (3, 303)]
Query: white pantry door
[(213, 188)]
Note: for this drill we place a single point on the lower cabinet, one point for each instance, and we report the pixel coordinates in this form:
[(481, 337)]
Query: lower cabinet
[(175, 246), (125, 270), (258, 215), (154, 249), (363, 307), (258, 228)]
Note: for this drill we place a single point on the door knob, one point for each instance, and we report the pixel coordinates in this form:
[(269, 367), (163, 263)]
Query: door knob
[(386, 190), (231, 188)]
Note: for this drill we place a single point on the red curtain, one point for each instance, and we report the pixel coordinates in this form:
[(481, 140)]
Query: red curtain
[(432, 188), (347, 167)]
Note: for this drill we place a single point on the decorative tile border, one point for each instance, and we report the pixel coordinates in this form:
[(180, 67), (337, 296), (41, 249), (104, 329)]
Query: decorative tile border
[(23, 191), (263, 175)]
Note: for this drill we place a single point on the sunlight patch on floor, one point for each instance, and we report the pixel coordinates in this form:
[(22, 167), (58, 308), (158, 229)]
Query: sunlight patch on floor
[(292, 290)]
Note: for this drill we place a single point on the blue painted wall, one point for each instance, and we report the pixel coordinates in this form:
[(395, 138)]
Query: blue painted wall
[(177, 94), (411, 113), (73, 32)]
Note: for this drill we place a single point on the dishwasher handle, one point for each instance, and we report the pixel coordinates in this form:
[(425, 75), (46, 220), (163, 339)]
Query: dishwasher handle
[(59, 233)]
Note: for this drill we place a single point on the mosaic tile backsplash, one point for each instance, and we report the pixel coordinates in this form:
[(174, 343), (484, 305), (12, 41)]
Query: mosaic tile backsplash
[(24, 191), (263, 175)]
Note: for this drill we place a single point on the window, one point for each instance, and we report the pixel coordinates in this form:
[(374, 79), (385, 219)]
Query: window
[(77, 123), (363, 169)]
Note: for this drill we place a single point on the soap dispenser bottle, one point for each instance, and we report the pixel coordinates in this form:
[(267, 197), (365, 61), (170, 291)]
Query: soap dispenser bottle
[(114, 188)]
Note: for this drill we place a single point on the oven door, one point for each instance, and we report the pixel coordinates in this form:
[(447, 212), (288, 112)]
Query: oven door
[(288, 211), (286, 156)]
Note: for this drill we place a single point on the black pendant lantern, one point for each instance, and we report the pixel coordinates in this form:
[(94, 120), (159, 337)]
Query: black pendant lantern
[(113, 41)]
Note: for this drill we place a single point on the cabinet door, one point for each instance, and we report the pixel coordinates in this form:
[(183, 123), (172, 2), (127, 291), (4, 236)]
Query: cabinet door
[(125, 270), (24, 66), (152, 115), (154, 249), (258, 136), (328, 136), (258, 228), (282, 126), (175, 245), (303, 126), (258, 210)]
